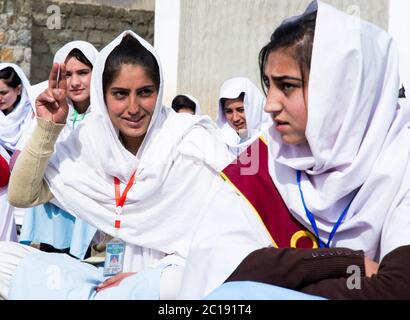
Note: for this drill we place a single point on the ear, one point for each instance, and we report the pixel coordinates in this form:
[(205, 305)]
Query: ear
[(19, 89)]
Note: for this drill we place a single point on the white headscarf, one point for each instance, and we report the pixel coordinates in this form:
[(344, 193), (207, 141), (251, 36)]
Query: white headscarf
[(158, 210), (13, 124), (7, 224), (254, 103), (197, 106), (359, 139), (357, 133)]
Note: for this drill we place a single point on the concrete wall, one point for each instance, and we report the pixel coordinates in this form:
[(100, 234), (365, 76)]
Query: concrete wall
[(219, 39)]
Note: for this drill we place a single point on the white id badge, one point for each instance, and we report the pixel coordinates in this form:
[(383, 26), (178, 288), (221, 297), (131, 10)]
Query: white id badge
[(114, 257)]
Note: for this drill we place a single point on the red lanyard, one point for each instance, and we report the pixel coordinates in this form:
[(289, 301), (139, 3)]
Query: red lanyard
[(120, 198)]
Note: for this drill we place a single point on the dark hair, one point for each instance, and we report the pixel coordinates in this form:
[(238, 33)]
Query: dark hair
[(241, 96), (182, 101), (76, 53), (130, 51), (297, 37), (10, 77)]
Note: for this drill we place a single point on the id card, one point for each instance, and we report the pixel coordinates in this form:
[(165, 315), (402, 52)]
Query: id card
[(114, 257)]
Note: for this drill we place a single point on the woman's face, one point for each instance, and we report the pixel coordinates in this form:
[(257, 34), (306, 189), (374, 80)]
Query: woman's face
[(131, 100), (234, 112), (8, 96), (286, 96), (78, 82)]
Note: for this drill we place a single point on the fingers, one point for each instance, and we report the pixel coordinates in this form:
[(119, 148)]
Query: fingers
[(111, 282), (47, 98), (62, 80), (52, 79)]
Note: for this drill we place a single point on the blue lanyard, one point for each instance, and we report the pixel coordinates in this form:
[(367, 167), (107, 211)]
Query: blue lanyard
[(312, 220)]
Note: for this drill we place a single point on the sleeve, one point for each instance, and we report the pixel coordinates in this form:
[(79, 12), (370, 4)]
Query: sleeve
[(4, 172), (296, 268), (27, 187), (391, 282)]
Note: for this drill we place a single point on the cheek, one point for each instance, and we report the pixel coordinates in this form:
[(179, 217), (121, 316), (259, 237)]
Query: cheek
[(149, 104), (87, 81), (114, 107)]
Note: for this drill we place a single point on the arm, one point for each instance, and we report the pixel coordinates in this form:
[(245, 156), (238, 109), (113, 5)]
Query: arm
[(296, 268), (4, 172), (27, 185), (391, 282)]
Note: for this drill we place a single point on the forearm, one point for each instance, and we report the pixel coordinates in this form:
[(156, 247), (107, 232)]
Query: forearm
[(391, 282), (27, 187), (296, 268)]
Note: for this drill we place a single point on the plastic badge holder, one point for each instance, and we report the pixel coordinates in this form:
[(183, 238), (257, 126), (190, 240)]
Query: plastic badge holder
[(114, 258)]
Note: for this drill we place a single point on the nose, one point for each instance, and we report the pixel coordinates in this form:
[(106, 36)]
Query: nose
[(133, 107), (75, 81), (273, 102), (236, 116)]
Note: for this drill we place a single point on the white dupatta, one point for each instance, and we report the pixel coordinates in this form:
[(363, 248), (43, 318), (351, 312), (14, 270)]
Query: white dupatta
[(254, 103)]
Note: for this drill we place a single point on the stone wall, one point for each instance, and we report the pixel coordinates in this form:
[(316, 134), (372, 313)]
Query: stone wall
[(31, 31), (96, 24), (15, 33)]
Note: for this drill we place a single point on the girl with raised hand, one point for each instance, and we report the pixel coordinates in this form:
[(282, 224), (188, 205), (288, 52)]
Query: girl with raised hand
[(132, 170), (55, 229)]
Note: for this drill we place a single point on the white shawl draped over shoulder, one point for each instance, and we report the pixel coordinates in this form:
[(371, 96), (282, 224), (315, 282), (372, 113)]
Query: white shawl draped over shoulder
[(358, 148), (254, 103), (175, 170), (13, 125)]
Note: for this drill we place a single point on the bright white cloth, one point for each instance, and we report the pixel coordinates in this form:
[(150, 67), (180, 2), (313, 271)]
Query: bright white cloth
[(13, 125), (156, 221), (358, 148), (254, 103), (7, 222)]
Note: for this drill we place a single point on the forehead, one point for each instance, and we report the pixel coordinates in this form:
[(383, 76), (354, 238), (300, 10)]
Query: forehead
[(73, 64), (281, 63), (4, 86), (132, 75), (233, 103)]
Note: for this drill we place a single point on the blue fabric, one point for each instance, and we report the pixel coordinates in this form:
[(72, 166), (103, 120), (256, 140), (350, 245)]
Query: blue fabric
[(249, 290), (51, 225), (56, 276)]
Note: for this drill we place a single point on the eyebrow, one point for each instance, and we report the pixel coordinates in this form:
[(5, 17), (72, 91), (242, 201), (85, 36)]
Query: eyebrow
[(284, 78), (126, 89), (80, 70)]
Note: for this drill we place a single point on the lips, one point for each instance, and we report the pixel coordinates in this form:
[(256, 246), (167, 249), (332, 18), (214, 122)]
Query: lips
[(77, 91), (134, 122)]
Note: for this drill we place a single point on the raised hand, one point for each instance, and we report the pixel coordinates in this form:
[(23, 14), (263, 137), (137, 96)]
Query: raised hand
[(51, 104)]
